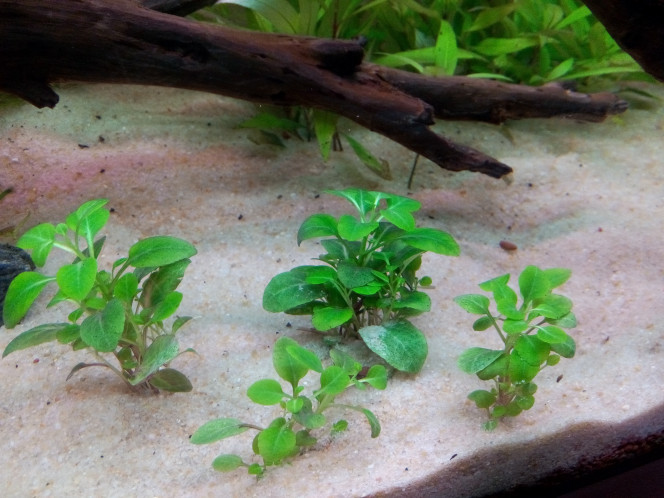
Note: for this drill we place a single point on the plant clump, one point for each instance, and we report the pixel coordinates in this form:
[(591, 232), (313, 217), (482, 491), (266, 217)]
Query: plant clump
[(368, 285), (291, 432), (121, 312), (532, 335)]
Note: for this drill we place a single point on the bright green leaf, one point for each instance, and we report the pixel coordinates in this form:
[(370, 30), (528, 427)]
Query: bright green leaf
[(266, 392), (473, 303), (399, 343), (475, 359), (217, 429), (103, 329), (317, 225), (76, 280), (227, 463), (37, 335), (39, 241), (159, 251), (430, 239), (22, 292)]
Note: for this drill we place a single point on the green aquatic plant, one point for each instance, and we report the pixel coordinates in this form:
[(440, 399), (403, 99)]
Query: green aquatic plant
[(532, 335), (367, 287), (121, 312), (291, 432)]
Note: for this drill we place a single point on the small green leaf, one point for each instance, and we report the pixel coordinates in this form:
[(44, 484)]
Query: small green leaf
[(39, 241), (345, 361), (227, 463), (515, 326), (162, 350), (325, 126), (294, 405), (482, 398), (473, 303), (171, 380), (399, 343), (266, 392), (159, 251), (38, 335), (379, 166), (475, 359), (167, 307), (22, 292), (533, 284), (103, 329), (432, 240), (289, 290), (363, 200), (525, 402), (352, 275), (289, 368), (565, 349), (376, 377), (373, 422), (334, 380), (76, 280), (217, 429), (327, 318), (276, 443), (446, 52), (179, 322), (126, 287), (306, 357), (552, 335), (352, 229), (415, 300), (483, 323), (339, 426), (501, 46), (557, 276), (317, 225)]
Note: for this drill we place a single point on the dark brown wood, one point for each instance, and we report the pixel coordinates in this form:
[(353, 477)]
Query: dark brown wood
[(122, 41), (636, 25)]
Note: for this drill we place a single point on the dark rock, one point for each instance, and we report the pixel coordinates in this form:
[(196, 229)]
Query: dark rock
[(12, 262)]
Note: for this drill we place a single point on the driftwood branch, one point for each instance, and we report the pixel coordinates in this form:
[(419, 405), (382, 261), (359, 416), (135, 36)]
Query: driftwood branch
[(124, 41)]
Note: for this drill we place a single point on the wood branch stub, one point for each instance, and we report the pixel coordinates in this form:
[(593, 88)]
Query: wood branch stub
[(462, 98)]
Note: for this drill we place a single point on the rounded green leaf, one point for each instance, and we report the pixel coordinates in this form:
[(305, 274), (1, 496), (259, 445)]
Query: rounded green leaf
[(334, 380), (276, 443), (525, 402), (328, 318), (475, 359), (432, 240), (217, 429), (473, 303), (76, 280), (532, 349), (102, 330), (317, 225), (171, 380), (38, 335), (399, 343), (22, 292), (520, 369), (482, 398), (289, 290), (376, 377), (306, 357), (159, 251), (266, 392), (227, 463)]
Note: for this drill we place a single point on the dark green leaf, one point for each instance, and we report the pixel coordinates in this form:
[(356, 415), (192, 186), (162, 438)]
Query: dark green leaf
[(351, 275), (126, 287), (379, 166), (171, 380), (565, 349), (162, 350), (289, 290), (373, 422), (483, 399), (318, 225), (399, 343)]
